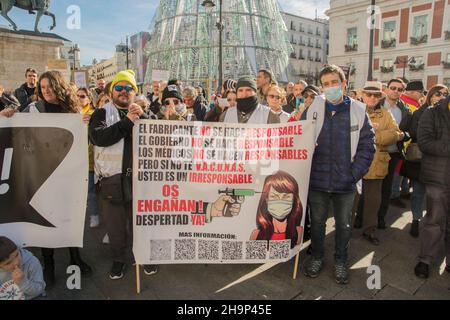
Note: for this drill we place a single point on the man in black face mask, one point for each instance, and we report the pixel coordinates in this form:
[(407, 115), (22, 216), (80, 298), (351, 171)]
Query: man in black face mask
[(248, 110)]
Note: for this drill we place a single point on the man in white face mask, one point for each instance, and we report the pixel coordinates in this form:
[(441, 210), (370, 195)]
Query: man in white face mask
[(344, 151)]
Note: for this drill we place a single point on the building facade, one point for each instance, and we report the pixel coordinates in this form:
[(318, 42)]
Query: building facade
[(411, 40), (309, 38)]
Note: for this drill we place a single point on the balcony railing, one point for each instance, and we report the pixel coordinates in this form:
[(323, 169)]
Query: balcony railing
[(387, 69), (301, 58), (349, 48), (446, 64), (419, 40), (318, 46), (310, 45), (293, 55), (388, 43), (416, 67), (318, 60), (302, 30)]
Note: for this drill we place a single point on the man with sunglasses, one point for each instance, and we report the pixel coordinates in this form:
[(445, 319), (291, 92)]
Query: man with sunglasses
[(110, 131), (402, 116)]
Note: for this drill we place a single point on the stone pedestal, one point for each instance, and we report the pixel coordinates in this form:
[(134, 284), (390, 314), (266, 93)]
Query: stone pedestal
[(20, 50)]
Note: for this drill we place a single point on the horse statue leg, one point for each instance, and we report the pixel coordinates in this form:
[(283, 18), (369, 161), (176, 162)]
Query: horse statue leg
[(6, 6), (47, 13), (38, 17)]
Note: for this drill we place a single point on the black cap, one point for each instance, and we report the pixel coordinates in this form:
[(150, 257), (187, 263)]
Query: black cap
[(311, 88), (415, 86), (172, 91)]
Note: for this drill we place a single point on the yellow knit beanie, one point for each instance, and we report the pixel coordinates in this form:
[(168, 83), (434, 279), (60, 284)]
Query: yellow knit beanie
[(126, 75)]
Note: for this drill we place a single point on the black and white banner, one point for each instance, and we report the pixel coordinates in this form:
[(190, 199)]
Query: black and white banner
[(43, 179)]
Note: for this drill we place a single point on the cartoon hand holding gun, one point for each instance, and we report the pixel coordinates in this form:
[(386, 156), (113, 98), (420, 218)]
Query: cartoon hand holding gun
[(229, 203)]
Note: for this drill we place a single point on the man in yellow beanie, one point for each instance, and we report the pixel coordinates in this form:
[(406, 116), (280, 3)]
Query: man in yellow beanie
[(110, 131), (126, 75)]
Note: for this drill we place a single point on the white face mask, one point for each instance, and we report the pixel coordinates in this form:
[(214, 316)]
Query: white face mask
[(181, 109), (279, 209)]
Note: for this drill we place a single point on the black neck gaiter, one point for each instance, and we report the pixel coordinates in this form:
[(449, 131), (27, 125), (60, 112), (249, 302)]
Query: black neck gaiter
[(247, 105)]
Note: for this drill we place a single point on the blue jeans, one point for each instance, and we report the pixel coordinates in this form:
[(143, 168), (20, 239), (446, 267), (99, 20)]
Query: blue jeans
[(320, 203), (92, 205), (400, 185), (417, 199)]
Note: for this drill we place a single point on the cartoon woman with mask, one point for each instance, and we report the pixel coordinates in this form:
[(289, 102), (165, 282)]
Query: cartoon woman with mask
[(280, 210), (279, 214)]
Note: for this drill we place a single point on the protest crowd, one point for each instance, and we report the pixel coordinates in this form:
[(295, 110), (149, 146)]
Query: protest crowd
[(381, 146)]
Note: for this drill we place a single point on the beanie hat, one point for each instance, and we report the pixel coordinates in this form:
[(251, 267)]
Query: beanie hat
[(126, 75), (246, 81), (172, 91), (415, 85)]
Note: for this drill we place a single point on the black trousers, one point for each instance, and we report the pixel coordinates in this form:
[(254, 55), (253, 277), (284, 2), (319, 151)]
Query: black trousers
[(119, 220), (386, 188)]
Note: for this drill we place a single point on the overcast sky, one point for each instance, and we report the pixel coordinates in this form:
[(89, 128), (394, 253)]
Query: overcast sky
[(105, 23)]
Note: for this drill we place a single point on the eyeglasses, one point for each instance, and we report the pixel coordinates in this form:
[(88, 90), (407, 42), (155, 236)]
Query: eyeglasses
[(81, 96), (175, 102), (121, 88), (271, 96), (441, 94), (376, 95), (396, 89)]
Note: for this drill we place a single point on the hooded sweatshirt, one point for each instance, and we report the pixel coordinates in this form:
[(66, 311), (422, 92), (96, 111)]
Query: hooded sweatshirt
[(32, 285)]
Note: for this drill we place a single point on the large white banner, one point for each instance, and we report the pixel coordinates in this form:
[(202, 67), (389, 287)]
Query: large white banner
[(219, 193), (43, 181)]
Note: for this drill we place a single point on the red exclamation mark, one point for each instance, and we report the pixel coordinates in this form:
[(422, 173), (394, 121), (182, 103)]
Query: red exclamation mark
[(7, 159)]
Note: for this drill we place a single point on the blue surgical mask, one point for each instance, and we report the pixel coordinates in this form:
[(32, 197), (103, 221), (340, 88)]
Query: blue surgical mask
[(334, 94), (279, 209)]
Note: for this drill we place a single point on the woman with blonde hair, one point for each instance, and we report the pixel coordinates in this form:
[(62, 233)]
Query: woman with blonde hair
[(276, 96)]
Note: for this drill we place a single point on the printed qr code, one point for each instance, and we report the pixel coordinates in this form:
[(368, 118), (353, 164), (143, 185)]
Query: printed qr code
[(208, 250), (232, 250), (256, 250), (279, 249), (184, 249), (160, 249)]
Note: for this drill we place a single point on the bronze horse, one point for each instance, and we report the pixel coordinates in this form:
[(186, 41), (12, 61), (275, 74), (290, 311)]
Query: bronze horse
[(40, 6)]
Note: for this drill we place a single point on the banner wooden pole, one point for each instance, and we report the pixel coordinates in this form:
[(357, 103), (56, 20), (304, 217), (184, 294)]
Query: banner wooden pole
[(297, 257), (138, 279)]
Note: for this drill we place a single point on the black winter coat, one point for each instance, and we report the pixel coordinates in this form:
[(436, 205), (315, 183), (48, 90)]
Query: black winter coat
[(433, 136)]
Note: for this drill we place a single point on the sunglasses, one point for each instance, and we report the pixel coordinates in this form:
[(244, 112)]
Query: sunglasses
[(376, 95), (175, 102), (271, 96), (306, 96), (441, 94), (396, 89), (81, 96), (121, 88)]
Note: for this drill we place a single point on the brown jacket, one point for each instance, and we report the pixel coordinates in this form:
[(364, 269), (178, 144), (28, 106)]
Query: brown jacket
[(387, 134)]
